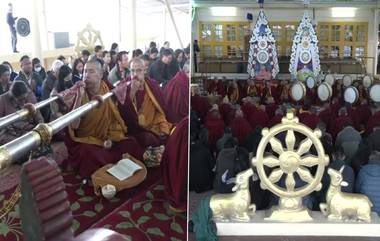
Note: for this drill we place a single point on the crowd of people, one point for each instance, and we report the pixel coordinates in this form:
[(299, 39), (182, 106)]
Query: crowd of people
[(148, 108), (227, 117)]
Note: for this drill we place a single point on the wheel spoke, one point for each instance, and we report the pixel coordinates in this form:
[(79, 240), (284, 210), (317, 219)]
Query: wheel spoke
[(309, 161), (290, 140), (275, 175), (290, 182), (304, 147), (276, 145), (305, 174), (271, 161)]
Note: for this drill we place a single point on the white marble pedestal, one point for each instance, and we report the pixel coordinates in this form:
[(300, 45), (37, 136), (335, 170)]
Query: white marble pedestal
[(320, 226)]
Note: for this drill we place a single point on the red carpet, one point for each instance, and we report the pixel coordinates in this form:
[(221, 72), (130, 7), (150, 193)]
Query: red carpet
[(89, 209)]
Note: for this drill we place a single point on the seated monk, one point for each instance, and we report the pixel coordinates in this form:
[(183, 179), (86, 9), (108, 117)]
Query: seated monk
[(174, 167), (215, 126), (276, 119), (240, 127), (248, 106), (19, 96), (226, 110), (216, 87), (258, 118), (99, 137), (175, 95), (199, 103), (233, 92), (308, 116), (342, 120), (142, 106)]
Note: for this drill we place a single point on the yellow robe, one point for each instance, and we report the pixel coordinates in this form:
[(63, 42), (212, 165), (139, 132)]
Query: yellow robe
[(100, 124), (151, 115)]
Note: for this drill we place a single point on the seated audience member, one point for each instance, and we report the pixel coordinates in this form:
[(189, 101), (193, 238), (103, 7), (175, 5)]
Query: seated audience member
[(78, 70), (63, 59), (348, 134), (308, 116), (19, 96), (240, 127), (4, 79), (13, 74), (174, 93), (85, 55), (64, 83), (179, 56), (143, 107), (137, 53), (374, 139), (201, 163), (114, 47), (99, 137), (98, 51), (368, 179), (31, 78), (106, 57), (161, 70), (338, 124), (113, 62), (38, 68), (373, 121), (215, 126), (227, 135), (174, 166), (153, 54), (121, 69)]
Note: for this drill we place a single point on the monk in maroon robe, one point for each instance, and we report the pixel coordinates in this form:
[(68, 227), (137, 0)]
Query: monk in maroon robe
[(364, 113), (142, 105), (271, 107), (248, 106), (199, 104), (258, 118), (276, 119), (174, 167), (340, 122), (176, 92), (240, 127), (216, 86), (99, 137), (309, 118), (215, 126), (226, 110)]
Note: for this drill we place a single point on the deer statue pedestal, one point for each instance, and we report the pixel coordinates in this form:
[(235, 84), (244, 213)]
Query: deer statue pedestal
[(320, 226)]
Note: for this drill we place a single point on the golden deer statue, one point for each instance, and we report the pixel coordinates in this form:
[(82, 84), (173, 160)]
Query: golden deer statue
[(234, 206), (340, 205)]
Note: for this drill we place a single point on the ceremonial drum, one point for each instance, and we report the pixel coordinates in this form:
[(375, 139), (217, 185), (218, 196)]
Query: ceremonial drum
[(298, 91), (347, 80), (324, 91), (310, 82), (351, 95), (367, 81), (374, 92), (329, 79)]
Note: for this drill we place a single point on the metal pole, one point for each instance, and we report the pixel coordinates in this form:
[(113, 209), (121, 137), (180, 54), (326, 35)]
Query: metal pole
[(21, 114), (42, 134), (175, 25)]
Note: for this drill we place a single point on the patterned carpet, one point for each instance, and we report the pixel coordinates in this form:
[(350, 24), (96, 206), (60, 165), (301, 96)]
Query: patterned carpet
[(142, 213)]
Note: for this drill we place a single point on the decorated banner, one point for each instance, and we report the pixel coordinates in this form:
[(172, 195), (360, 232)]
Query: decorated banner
[(262, 62), (304, 60)]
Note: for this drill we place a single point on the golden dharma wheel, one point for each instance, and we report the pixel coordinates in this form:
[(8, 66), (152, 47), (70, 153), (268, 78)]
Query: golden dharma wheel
[(290, 160)]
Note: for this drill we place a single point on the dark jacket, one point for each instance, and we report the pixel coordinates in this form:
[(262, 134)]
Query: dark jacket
[(162, 72), (37, 81)]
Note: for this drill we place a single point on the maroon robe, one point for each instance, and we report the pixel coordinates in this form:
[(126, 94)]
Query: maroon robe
[(309, 119), (174, 166), (270, 109), (200, 105), (354, 116), (217, 87), (215, 127), (227, 112), (240, 129), (338, 124), (325, 116), (258, 118), (176, 97), (88, 158), (275, 120), (248, 108), (128, 113), (364, 112)]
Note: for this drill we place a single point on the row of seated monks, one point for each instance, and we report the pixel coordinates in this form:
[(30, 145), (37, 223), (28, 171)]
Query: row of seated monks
[(139, 115), (259, 103)]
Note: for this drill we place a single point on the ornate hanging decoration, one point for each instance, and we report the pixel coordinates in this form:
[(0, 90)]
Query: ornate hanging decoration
[(304, 60), (262, 62)]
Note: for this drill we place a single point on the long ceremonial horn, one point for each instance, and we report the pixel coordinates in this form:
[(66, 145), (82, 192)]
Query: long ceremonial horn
[(23, 113), (43, 133)]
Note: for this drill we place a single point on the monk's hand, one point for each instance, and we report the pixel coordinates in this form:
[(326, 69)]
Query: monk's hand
[(99, 99), (107, 144), (31, 109)]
